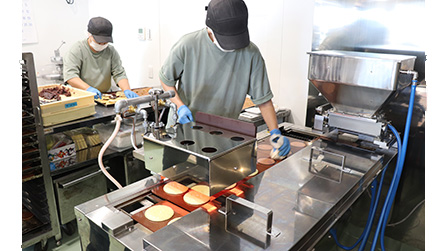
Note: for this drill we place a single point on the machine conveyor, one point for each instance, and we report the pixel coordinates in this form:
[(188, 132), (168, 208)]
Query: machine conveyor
[(304, 206)]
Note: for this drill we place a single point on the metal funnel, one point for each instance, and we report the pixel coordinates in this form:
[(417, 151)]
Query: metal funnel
[(357, 83)]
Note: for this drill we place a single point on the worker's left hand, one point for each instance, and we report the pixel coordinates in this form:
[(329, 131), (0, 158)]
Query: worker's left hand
[(130, 94), (281, 144)]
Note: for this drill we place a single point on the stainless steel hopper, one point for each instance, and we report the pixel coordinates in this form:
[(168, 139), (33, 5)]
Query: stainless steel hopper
[(357, 83)]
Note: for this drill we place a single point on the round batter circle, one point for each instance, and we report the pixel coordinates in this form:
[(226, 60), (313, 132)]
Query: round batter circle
[(231, 186), (202, 189), (174, 188), (266, 161), (173, 220), (195, 198), (298, 144), (254, 173), (265, 147), (159, 213)]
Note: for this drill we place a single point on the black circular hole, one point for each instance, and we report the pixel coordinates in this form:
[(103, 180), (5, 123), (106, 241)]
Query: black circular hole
[(209, 149), (216, 133), (187, 142), (237, 138), (197, 127)]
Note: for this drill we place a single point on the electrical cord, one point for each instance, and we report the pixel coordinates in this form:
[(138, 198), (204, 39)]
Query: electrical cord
[(406, 217)]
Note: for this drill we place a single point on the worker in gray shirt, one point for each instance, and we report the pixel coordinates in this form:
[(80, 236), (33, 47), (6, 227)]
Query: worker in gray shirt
[(213, 69), (91, 63)]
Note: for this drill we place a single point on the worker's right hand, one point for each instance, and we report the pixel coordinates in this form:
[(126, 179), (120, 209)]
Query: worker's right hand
[(95, 91), (184, 115)]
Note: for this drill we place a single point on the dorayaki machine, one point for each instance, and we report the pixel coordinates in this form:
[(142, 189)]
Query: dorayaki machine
[(255, 205)]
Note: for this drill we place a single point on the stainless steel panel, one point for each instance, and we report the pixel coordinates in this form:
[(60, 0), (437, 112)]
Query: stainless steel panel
[(210, 154), (355, 124), (116, 221), (303, 205), (374, 70), (248, 221), (91, 214), (355, 82)]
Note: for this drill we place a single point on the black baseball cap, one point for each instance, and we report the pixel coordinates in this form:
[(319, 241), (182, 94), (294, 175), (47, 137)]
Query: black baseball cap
[(229, 21), (101, 29)]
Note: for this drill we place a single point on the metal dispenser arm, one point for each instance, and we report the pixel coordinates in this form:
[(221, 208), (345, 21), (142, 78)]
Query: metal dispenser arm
[(123, 103)]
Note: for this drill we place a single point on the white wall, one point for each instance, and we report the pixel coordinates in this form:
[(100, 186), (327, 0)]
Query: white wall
[(282, 30), (56, 21)]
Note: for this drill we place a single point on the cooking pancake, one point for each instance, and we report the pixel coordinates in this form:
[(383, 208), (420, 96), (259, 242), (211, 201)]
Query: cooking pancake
[(174, 188), (174, 220), (298, 144), (266, 147), (254, 173), (195, 198), (202, 189), (266, 161), (231, 186), (159, 213)]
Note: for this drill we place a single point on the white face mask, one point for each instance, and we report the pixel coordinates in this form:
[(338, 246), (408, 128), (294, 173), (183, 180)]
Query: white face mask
[(98, 47), (217, 43)]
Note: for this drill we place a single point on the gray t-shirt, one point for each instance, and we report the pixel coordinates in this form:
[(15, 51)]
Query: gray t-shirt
[(96, 69), (212, 81)]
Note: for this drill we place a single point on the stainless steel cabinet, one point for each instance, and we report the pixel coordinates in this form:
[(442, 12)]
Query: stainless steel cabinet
[(77, 188)]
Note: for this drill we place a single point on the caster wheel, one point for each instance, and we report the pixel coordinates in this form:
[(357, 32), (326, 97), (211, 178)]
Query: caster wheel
[(69, 228), (40, 247)]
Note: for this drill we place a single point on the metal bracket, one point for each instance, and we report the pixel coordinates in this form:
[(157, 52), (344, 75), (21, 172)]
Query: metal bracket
[(327, 165), (249, 221)]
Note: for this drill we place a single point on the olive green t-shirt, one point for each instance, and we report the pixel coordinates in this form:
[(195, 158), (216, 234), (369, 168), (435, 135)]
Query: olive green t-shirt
[(212, 81), (96, 69)]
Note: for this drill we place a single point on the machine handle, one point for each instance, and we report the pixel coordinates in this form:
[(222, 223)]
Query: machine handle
[(327, 169), (79, 180), (249, 221), (38, 116)]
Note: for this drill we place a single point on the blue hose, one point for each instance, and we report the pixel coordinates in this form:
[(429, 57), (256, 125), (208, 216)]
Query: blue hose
[(397, 174), (370, 217), (369, 224)]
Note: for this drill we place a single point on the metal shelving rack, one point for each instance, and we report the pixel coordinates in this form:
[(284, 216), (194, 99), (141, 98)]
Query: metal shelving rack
[(39, 214)]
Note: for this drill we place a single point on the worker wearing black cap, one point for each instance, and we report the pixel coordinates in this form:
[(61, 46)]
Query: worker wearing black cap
[(213, 69), (91, 63)]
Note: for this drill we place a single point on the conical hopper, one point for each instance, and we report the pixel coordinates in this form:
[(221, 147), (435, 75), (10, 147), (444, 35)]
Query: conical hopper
[(357, 83)]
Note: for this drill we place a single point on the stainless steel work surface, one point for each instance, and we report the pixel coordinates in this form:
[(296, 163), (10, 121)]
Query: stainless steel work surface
[(303, 204)]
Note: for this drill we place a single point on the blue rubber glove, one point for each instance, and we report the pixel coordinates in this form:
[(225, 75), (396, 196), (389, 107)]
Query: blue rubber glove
[(281, 145), (130, 94), (184, 115), (95, 91)]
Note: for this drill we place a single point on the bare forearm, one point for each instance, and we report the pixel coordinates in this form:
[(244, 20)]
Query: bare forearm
[(269, 115), (176, 100), (124, 84), (78, 83)]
